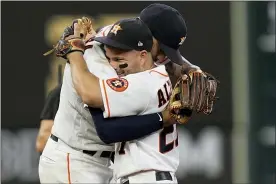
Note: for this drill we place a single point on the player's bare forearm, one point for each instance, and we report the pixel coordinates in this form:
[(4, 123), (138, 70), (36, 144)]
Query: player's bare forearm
[(175, 71), (43, 134), (86, 84), (187, 65)]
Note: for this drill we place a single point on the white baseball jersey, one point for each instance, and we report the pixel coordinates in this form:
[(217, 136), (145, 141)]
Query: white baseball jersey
[(73, 123), (74, 126), (142, 93)]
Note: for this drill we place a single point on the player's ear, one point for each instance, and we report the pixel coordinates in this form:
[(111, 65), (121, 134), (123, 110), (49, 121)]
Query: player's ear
[(143, 53), (143, 56)]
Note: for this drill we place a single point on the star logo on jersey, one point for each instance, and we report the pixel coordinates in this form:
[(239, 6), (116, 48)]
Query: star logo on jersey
[(181, 40), (117, 84), (115, 29)]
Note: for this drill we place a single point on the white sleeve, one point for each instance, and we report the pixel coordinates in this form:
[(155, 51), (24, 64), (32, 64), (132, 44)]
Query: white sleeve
[(125, 96), (104, 31)]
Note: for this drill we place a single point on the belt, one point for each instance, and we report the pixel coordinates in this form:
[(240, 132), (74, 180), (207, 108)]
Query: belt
[(163, 175), (104, 154), (160, 176)]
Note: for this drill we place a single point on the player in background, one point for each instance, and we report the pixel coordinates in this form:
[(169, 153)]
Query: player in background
[(47, 118)]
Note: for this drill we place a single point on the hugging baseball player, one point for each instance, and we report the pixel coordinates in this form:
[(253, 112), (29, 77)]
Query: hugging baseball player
[(129, 42), (75, 152)]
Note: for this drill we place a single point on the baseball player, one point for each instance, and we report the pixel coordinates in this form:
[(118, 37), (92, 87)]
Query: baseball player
[(129, 43), (47, 118)]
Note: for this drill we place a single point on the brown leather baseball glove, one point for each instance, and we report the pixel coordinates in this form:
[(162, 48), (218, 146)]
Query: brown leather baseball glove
[(73, 38), (193, 92)]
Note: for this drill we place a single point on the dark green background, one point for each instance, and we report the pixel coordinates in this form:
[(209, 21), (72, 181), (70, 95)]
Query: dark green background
[(262, 96)]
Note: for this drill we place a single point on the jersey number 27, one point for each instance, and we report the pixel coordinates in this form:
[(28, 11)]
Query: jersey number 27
[(163, 146)]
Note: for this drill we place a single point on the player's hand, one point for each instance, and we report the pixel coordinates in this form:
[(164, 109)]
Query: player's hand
[(74, 37), (168, 120), (83, 28)]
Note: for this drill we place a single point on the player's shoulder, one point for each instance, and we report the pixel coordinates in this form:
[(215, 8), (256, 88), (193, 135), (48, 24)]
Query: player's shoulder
[(100, 33), (94, 52), (103, 31), (158, 77), (151, 78), (159, 72), (132, 82)]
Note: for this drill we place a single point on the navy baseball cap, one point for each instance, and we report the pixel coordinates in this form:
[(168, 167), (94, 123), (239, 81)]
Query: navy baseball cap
[(128, 34), (167, 26)]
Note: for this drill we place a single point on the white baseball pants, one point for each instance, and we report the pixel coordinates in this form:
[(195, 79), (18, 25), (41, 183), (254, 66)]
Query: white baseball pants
[(60, 163)]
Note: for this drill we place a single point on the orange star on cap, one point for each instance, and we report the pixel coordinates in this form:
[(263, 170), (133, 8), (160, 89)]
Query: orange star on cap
[(115, 29)]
